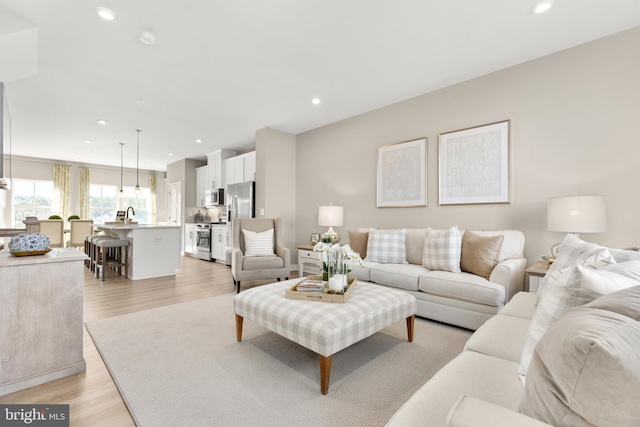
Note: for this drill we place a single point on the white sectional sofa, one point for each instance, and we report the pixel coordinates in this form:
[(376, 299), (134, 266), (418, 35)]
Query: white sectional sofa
[(463, 299), (584, 370)]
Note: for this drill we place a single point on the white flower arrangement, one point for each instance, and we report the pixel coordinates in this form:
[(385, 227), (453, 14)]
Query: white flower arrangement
[(337, 256)]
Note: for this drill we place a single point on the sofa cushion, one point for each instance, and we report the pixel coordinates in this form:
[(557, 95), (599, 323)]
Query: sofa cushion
[(469, 374), (262, 263), (572, 287), (358, 241), (258, 243), (462, 286), (403, 276), (586, 368), (442, 249), (501, 336), (573, 251), (522, 305), (386, 246), (480, 254)]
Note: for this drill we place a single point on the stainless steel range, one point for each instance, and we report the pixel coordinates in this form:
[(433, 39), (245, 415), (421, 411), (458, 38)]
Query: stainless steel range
[(204, 240)]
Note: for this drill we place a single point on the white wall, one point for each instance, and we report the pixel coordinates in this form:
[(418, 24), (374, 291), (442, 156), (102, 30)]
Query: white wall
[(573, 132)]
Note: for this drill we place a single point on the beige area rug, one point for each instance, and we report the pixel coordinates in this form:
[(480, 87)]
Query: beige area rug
[(181, 365)]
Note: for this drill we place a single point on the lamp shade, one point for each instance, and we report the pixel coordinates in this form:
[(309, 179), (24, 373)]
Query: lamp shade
[(580, 214), (330, 216)]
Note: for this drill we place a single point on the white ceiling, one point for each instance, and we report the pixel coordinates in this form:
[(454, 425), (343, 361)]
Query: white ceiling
[(222, 70)]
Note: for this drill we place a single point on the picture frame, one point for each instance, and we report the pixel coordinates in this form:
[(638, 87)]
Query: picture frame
[(474, 164), (120, 215), (315, 238), (402, 174)]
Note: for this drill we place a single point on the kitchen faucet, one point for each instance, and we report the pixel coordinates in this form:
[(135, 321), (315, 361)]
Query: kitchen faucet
[(133, 212)]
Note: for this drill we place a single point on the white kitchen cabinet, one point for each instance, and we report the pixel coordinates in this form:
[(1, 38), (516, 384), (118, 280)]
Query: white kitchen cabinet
[(202, 184), (219, 243), (240, 168), (250, 166), (190, 239), (215, 164)]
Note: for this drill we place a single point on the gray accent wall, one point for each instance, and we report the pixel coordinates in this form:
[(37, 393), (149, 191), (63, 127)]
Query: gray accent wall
[(575, 130)]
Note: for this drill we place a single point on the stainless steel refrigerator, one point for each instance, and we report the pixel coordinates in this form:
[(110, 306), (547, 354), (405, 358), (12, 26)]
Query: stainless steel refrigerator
[(240, 201)]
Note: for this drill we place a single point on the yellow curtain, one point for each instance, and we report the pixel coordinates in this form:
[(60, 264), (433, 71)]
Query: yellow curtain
[(84, 193), (61, 190), (153, 188)]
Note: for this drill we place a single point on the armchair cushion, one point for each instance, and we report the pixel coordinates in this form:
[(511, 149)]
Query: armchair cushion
[(262, 263), (258, 243)]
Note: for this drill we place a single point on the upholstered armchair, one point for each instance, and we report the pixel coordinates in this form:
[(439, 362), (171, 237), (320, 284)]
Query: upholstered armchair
[(257, 251)]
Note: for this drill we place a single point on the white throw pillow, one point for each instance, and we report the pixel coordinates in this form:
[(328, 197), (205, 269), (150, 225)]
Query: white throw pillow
[(387, 246), (258, 243), (573, 287), (442, 249), (572, 251)]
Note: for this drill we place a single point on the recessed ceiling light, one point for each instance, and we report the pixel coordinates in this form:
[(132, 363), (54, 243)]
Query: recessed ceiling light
[(77, 155), (148, 164), (315, 101), (105, 13), (542, 6), (102, 122), (88, 141), (147, 38), (199, 141), (170, 154), (141, 102)]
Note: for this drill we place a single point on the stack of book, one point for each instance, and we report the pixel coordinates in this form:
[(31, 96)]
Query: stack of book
[(310, 285)]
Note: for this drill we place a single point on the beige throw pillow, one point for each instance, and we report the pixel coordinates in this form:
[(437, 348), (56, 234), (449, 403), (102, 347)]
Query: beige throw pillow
[(480, 254), (358, 242)]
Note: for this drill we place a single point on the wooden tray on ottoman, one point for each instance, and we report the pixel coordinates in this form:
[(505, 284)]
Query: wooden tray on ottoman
[(323, 296)]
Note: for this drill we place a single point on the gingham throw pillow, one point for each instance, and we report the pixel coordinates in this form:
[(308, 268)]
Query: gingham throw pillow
[(573, 251), (442, 249), (386, 246), (258, 243)]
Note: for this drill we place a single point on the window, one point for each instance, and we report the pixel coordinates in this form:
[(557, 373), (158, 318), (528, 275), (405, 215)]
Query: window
[(104, 203), (31, 198)]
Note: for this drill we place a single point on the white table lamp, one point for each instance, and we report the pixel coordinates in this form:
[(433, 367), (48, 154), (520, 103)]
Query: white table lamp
[(330, 216), (574, 215)]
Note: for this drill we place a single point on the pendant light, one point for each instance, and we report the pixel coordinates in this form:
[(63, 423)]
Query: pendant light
[(121, 192), (137, 189)]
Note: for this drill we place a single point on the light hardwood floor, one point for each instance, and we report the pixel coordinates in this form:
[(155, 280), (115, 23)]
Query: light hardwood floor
[(92, 395)]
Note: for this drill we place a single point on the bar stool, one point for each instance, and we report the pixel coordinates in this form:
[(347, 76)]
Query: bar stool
[(90, 249), (109, 254)]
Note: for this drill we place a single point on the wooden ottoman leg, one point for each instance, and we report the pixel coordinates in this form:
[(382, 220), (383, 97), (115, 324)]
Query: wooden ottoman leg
[(239, 320), (325, 373), (410, 323)]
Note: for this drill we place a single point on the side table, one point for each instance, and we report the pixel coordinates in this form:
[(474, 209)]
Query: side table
[(537, 270), (309, 259)]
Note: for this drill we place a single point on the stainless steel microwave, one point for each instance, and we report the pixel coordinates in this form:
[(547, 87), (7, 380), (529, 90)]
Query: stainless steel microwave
[(214, 197)]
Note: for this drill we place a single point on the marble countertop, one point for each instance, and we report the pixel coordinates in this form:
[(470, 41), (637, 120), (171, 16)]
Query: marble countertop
[(56, 255)]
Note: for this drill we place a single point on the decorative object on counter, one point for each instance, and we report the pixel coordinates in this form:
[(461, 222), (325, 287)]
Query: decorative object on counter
[(577, 214), (198, 217), (402, 174), (73, 217), (55, 217), (120, 215), (207, 217), (335, 267), (32, 224), (331, 216), (474, 165), (29, 244)]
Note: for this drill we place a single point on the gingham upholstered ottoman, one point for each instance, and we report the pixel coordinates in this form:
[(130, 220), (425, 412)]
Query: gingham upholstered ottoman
[(325, 328)]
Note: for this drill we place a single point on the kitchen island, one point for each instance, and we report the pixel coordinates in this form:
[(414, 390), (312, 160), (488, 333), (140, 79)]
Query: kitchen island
[(154, 250)]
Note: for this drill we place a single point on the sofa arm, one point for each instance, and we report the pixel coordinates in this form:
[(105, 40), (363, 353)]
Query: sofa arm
[(510, 274), (472, 412)]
